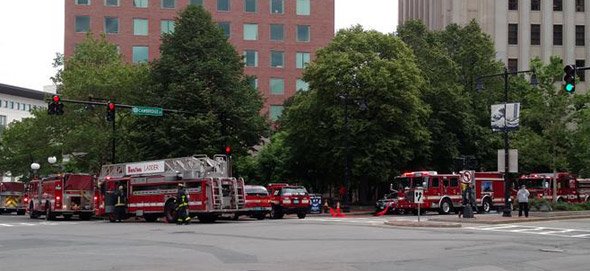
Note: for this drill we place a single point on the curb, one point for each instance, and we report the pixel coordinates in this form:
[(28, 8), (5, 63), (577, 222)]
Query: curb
[(509, 220), (423, 224)]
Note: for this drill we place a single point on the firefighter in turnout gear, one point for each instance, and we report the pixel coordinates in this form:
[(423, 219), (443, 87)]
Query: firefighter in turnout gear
[(182, 206), (120, 203)]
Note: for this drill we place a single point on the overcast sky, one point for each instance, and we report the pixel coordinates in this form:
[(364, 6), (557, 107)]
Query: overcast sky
[(32, 32)]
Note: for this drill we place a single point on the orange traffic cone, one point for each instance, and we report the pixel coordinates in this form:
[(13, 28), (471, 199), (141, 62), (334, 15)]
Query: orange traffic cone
[(338, 212)]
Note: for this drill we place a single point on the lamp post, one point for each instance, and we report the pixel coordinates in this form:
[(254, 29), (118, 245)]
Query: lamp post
[(35, 167), (507, 212), (345, 97)]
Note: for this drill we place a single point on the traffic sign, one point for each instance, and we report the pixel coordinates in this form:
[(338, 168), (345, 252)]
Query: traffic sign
[(419, 196), (147, 111)]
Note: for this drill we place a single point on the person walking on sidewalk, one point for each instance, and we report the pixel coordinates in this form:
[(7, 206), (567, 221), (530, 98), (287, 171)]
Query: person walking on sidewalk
[(523, 201)]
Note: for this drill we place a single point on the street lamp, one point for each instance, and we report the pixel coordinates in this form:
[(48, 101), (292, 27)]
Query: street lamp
[(362, 104), (507, 212), (51, 160), (34, 168)]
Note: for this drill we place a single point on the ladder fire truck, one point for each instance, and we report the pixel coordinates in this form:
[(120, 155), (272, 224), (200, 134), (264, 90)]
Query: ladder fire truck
[(62, 195), (11, 197), (151, 188), (443, 193), (569, 188)]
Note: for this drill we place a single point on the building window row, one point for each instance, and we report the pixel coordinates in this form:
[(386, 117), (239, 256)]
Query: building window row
[(303, 7), (557, 5), (536, 34), (141, 28), (17, 105), (277, 59)]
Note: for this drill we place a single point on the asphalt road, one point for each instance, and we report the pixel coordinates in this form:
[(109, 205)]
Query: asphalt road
[(314, 243)]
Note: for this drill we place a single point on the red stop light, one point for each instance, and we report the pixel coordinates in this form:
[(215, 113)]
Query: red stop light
[(56, 99), (111, 106), (227, 150), (110, 111)]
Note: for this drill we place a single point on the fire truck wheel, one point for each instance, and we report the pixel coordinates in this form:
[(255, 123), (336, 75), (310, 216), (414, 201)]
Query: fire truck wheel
[(85, 216), (32, 213), (236, 217), (150, 218), (486, 206), (112, 217), (301, 215), (260, 216), (445, 207), (67, 217), (20, 212), (170, 211)]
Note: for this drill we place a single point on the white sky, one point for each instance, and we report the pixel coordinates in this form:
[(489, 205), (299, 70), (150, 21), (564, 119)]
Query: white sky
[(32, 32)]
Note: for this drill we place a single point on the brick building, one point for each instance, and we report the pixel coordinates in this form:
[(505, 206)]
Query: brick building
[(276, 37)]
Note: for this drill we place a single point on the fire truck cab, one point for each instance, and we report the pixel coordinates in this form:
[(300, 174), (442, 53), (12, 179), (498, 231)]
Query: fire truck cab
[(540, 185), (151, 188), (12, 197), (62, 195), (288, 199)]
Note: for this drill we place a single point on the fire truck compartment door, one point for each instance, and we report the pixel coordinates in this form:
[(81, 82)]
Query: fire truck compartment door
[(109, 202)]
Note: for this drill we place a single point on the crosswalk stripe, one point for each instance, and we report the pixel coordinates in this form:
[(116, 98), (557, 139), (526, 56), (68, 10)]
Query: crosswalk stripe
[(556, 232), (6, 225), (582, 235), (27, 224)]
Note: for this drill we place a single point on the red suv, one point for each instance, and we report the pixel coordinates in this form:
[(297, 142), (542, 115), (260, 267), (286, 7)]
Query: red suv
[(288, 199)]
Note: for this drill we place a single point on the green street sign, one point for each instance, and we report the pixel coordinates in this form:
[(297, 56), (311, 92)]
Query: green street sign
[(147, 111)]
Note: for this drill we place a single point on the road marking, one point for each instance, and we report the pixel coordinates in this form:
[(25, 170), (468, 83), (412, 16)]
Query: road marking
[(556, 232), (6, 225), (569, 233), (27, 224), (582, 235)]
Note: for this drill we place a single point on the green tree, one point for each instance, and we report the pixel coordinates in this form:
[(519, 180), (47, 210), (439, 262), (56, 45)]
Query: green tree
[(359, 67), (200, 74)]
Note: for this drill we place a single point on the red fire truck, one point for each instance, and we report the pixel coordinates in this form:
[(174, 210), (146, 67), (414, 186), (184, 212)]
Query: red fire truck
[(288, 199), (151, 188), (62, 195), (569, 189), (442, 192), (257, 202), (12, 197)]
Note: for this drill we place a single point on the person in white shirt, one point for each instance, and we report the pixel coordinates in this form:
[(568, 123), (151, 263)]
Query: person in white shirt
[(523, 201)]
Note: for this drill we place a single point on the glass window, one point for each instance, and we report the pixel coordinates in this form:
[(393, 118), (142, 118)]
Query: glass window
[(140, 3), (581, 74), (277, 59), (196, 2), (225, 27), (512, 33), (140, 54), (557, 34), (535, 34), (277, 86), (250, 5), (111, 3), (557, 5), (2, 123), (82, 23), (580, 5), (111, 25), (277, 6), (168, 3), (140, 27), (302, 58), (512, 4), (512, 64), (536, 5), (83, 2), (275, 112), (303, 7), (277, 32), (303, 33), (580, 35), (253, 81), (251, 58), (250, 32), (11, 105), (223, 5), (301, 85), (166, 26)]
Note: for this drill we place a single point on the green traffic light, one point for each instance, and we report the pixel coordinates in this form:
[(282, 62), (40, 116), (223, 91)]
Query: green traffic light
[(569, 87)]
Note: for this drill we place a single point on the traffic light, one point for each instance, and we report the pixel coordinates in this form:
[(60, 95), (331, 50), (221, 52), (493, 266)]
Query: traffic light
[(111, 111), (570, 78), (227, 150), (55, 107)]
